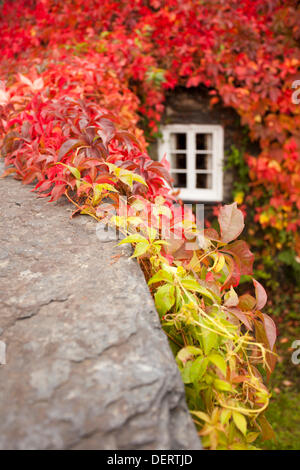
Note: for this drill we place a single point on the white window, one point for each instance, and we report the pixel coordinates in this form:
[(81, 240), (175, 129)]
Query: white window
[(195, 153)]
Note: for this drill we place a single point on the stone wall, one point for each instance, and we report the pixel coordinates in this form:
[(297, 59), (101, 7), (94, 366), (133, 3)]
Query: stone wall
[(87, 364)]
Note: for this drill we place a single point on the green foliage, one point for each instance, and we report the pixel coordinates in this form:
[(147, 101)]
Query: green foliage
[(236, 161), (205, 326), (284, 414)]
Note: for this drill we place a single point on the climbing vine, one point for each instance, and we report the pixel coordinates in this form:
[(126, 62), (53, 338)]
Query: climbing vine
[(246, 52), (223, 343)]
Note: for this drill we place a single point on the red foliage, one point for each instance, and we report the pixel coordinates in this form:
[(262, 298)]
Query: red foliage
[(246, 52)]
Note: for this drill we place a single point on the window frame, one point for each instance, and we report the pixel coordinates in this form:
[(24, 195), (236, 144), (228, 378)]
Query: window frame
[(191, 193)]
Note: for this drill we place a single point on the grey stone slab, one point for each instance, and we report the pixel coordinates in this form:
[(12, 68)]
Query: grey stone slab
[(87, 364)]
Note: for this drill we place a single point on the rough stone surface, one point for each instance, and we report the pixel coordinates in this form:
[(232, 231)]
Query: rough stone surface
[(87, 366)]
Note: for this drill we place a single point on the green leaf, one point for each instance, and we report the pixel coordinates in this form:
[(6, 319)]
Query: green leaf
[(188, 352), (186, 373), (152, 233), (133, 239), (240, 421), (105, 186), (222, 385), (225, 416), (198, 369), (193, 285), (184, 355), (178, 299), (219, 362), (75, 172), (160, 276), (139, 179), (210, 340), (140, 249), (252, 436), (201, 415), (164, 298)]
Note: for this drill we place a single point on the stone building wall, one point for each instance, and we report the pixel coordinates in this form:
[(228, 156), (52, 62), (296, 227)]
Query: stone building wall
[(191, 106)]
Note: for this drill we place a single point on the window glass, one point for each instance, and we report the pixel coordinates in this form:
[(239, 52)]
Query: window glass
[(195, 154), (204, 161), (203, 181), (178, 141), (180, 180), (178, 161), (203, 141)]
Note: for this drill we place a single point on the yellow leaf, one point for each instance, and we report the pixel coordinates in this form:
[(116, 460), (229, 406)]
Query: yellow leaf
[(239, 197), (240, 421), (264, 218), (274, 164), (194, 263), (219, 362), (201, 415), (220, 263)]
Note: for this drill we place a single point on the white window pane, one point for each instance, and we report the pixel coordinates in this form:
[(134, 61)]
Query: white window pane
[(203, 141), (178, 141), (195, 153), (204, 181), (204, 161), (178, 161), (179, 180)]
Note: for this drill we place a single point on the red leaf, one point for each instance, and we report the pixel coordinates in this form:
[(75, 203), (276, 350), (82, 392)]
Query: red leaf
[(57, 192), (209, 277), (243, 317), (243, 256), (261, 295), (7, 172), (211, 234), (67, 146), (267, 431), (127, 138), (107, 131), (44, 185), (159, 169), (234, 275), (247, 302), (231, 221), (193, 81), (271, 330)]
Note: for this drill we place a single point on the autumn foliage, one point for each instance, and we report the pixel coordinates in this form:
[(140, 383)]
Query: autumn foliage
[(246, 52), (224, 344), (77, 80)]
